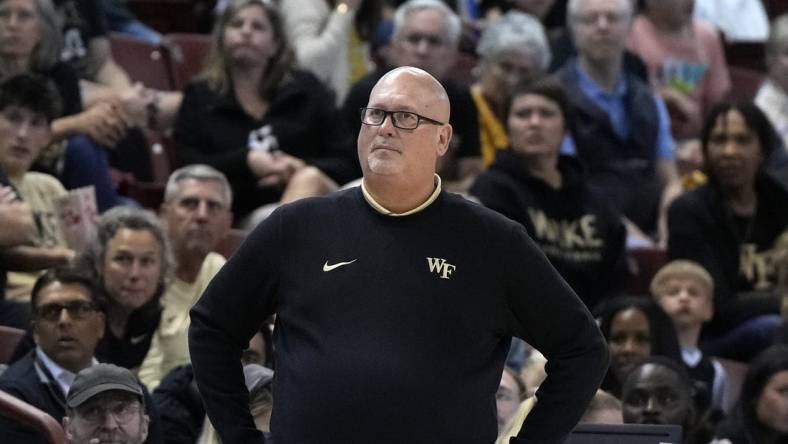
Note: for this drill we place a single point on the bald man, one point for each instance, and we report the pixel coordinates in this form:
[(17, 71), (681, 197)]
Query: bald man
[(395, 303)]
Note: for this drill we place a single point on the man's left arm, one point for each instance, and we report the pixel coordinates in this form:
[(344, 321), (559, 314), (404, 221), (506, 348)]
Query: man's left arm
[(547, 314)]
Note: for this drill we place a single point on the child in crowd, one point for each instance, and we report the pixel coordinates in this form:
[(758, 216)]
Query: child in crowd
[(684, 290)]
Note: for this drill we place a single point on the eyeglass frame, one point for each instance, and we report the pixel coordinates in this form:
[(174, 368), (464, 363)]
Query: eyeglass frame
[(122, 411), (77, 309), (419, 117)]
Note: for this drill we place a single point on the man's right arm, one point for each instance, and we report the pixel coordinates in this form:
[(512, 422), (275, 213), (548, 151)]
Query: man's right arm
[(227, 315)]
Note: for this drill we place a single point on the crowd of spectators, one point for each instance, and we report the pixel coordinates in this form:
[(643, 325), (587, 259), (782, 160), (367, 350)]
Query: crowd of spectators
[(604, 127)]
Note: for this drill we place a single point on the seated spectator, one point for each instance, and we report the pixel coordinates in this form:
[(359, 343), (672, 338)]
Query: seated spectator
[(772, 97), (685, 292), (426, 35), (34, 45), (603, 409), (512, 50), (729, 227), (130, 260), (28, 104), (271, 129), (329, 38), (98, 392), (87, 50), (178, 400), (660, 391), (511, 392), (761, 416), (620, 128), (258, 381), (19, 227), (635, 329), (685, 60), (196, 215), (533, 184), (68, 322)]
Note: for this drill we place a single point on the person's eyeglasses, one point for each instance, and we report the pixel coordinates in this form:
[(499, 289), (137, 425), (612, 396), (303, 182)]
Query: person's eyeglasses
[(401, 119), (122, 411), (75, 309)]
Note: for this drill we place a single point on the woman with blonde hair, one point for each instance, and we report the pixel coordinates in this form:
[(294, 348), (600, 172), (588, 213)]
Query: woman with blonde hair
[(272, 129)]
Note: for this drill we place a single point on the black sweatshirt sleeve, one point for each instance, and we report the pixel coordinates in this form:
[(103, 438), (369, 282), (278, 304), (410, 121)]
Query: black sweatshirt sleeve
[(227, 315), (548, 315)]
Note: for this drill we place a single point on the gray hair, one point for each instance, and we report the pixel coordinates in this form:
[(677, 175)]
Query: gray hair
[(573, 6), (515, 31), (452, 20), (778, 37), (47, 51), (199, 172), (92, 259)]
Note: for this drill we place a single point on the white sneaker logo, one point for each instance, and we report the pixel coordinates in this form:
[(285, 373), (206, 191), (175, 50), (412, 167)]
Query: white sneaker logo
[(327, 267)]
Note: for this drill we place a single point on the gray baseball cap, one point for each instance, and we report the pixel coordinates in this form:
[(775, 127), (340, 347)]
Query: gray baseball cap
[(101, 378)]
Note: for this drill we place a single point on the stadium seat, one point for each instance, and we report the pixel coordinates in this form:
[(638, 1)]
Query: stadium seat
[(9, 338), (143, 61), (745, 83), (187, 56), (36, 419), (644, 264)]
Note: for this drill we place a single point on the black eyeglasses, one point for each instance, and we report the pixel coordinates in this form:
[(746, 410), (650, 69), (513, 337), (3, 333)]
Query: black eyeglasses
[(75, 309), (401, 119)]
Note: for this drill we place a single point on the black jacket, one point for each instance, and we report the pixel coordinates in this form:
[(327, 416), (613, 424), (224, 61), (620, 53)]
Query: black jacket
[(178, 400), (214, 130), (29, 381), (622, 171), (579, 232), (703, 229)]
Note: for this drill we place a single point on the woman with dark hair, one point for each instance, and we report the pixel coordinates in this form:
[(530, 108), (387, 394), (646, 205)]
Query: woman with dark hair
[(635, 329), (761, 416), (531, 183), (730, 225), (271, 129)]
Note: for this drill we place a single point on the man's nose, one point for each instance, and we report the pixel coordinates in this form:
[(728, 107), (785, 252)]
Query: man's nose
[(202, 210), (23, 129)]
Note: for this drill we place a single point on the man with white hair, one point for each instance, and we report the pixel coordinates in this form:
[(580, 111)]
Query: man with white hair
[(621, 128), (396, 303), (196, 214)]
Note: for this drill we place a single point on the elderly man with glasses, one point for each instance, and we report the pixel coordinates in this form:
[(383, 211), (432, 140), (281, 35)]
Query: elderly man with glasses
[(106, 403), (68, 322), (396, 302)]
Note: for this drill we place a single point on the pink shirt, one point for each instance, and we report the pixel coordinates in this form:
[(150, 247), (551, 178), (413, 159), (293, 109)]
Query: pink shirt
[(695, 66)]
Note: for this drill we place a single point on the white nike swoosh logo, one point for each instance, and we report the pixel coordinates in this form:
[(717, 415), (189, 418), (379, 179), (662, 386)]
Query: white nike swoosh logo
[(137, 339), (327, 267)]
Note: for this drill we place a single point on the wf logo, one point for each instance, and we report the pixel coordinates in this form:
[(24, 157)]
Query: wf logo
[(441, 267)]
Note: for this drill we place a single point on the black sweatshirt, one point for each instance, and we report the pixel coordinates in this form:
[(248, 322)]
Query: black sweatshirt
[(579, 232), (392, 329)]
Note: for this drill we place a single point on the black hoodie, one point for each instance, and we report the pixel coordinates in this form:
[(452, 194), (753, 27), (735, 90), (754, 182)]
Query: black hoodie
[(581, 235)]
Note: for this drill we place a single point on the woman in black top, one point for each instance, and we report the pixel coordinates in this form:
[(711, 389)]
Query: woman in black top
[(271, 129), (761, 416), (534, 185), (730, 225)]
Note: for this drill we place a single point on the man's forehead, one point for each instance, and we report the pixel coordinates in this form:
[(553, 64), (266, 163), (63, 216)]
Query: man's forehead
[(110, 396), (63, 292), (191, 187)]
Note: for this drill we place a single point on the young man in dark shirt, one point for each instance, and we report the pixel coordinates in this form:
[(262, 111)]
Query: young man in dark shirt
[(395, 303)]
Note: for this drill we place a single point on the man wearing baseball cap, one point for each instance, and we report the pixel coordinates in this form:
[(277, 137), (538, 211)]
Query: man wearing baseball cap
[(105, 404)]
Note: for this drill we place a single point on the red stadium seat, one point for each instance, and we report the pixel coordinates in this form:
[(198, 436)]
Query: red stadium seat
[(9, 338), (143, 61), (188, 53), (36, 419), (745, 83), (645, 262)]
